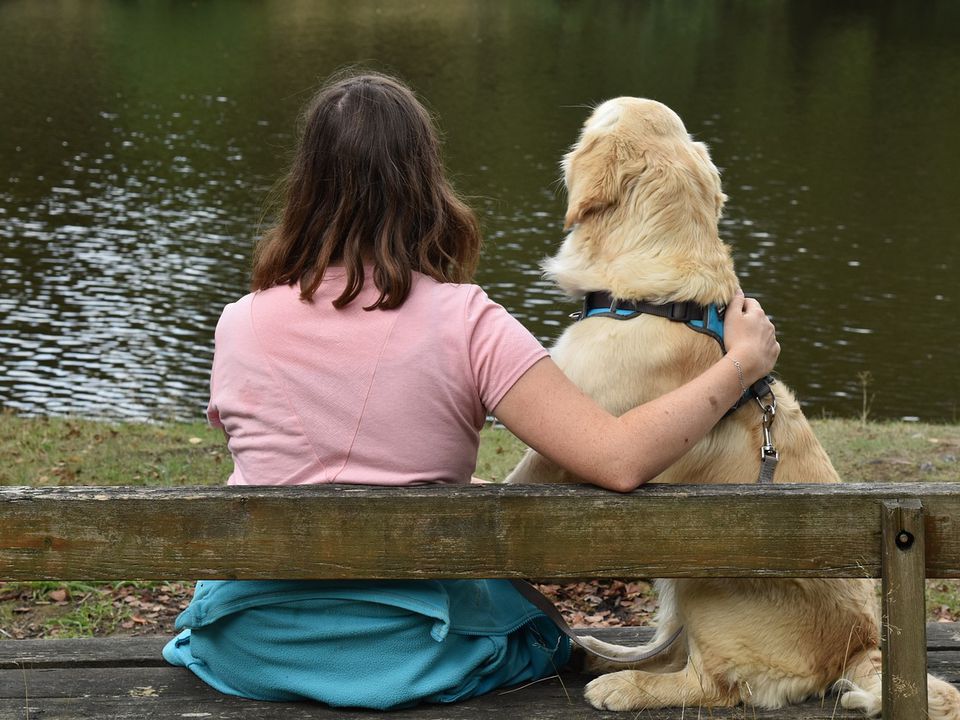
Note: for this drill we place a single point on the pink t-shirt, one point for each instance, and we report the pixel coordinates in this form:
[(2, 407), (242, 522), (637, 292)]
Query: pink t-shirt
[(310, 394)]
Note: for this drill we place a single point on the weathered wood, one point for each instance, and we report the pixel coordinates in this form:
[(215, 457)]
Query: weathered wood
[(176, 693), (943, 636), (943, 644), (903, 611), (82, 653), (546, 701), (944, 665), (461, 532), (125, 678), (166, 693)]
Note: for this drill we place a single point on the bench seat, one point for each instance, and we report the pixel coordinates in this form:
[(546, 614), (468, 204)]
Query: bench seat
[(125, 678)]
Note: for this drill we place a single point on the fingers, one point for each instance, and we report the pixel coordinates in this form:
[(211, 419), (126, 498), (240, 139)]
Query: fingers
[(745, 305), (751, 305), (751, 335), (736, 303)]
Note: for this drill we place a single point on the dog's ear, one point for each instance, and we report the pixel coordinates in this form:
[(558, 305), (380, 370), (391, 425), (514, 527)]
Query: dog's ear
[(591, 177)]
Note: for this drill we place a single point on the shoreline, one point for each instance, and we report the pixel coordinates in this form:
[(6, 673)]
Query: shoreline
[(74, 451)]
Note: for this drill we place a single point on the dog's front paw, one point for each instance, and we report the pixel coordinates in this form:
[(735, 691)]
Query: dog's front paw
[(854, 698), (616, 691)]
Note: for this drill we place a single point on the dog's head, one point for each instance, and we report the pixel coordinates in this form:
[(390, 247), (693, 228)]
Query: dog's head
[(634, 151), (644, 200)]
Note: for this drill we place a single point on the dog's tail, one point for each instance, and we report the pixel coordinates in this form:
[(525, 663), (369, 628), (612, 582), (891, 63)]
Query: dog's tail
[(862, 689), (673, 655)]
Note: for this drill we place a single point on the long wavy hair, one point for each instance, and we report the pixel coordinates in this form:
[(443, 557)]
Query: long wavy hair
[(367, 185)]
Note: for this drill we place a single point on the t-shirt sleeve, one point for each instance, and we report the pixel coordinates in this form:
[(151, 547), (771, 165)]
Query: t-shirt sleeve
[(499, 347), (213, 412), (213, 415)]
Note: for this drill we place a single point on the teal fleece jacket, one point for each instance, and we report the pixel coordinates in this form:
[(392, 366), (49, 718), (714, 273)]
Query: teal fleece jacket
[(371, 644)]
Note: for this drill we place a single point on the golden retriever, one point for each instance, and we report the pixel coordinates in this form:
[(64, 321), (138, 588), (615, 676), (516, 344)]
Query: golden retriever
[(644, 202)]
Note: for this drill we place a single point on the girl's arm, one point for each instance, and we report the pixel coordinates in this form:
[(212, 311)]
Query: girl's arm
[(550, 414)]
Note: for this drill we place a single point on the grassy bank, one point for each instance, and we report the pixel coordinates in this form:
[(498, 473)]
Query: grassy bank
[(64, 451)]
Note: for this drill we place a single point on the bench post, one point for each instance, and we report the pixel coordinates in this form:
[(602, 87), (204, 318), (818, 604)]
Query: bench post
[(903, 611)]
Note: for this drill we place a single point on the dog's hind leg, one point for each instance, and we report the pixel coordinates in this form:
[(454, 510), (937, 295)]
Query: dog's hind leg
[(862, 686), (943, 700), (637, 690)]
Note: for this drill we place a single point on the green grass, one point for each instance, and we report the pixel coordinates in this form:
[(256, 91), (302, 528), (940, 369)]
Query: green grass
[(69, 451), (891, 451), (499, 452), (80, 609), (943, 600), (91, 617)]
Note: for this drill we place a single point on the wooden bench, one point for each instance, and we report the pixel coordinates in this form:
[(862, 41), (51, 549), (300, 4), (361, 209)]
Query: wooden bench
[(901, 533)]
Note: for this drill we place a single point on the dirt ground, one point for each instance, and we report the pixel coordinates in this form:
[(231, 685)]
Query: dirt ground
[(38, 610), (46, 610)]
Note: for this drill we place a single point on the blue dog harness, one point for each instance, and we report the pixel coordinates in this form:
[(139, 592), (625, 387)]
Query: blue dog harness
[(706, 319)]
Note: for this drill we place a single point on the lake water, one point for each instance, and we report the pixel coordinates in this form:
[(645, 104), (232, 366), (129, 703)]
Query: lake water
[(139, 143)]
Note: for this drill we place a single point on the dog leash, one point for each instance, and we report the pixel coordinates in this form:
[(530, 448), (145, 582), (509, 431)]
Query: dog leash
[(543, 603)]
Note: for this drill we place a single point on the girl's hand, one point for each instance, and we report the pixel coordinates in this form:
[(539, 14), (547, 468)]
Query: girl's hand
[(750, 337)]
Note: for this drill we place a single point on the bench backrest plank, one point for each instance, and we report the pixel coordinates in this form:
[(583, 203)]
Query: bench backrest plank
[(98, 533)]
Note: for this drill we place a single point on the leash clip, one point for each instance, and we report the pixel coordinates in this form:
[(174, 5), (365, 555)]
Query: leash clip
[(767, 449), (769, 457)]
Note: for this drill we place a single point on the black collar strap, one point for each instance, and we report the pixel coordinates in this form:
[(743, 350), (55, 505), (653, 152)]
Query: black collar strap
[(760, 389)]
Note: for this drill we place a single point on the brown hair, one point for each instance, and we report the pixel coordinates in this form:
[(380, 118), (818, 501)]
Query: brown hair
[(367, 184)]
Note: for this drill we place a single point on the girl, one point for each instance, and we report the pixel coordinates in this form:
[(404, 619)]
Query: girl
[(363, 356)]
